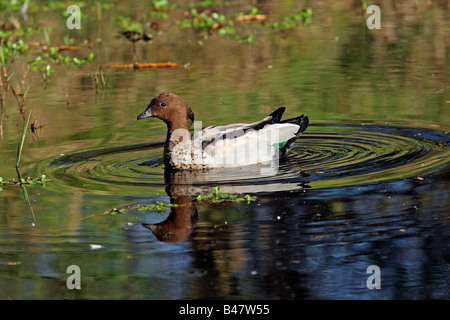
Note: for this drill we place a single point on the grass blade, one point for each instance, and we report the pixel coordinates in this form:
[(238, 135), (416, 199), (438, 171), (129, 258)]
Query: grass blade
[(27, 201), (20, 146), (26, 91)]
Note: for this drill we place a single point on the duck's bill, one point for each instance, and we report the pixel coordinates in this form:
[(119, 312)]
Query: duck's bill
[(147, 113), (150, 226)]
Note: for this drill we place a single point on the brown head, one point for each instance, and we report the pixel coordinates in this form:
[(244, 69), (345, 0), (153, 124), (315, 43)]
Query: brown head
[(170, 108)]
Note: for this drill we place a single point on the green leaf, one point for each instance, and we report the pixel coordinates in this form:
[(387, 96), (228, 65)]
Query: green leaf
[(91, 57)]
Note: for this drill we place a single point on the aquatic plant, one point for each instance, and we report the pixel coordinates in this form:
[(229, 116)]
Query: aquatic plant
[(100, 78), (161, 207), (292, 21), (22, 181), (217, 197), (253, 14), (28, 180), (2, 182), (224, 25), (129, 25), (215, 22), (20, 146), (159, 8), (210, 3), (208, 22), (43, 63), (11, 48)]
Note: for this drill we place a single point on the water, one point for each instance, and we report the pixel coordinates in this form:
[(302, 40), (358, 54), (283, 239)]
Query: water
[(367, 183)]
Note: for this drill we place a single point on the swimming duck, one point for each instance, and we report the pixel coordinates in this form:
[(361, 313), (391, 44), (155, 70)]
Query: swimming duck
[(233, 145)]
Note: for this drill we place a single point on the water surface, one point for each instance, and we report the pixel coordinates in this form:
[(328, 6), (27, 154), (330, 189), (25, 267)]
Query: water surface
[(367, 183)]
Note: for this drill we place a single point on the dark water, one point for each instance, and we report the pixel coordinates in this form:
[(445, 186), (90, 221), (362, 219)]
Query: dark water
[(367, 184)]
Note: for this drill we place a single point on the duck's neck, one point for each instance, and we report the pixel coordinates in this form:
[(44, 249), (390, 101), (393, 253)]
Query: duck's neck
[(182, 123)]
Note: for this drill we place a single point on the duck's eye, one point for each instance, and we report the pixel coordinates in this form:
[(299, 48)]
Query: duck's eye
[(163, 105)]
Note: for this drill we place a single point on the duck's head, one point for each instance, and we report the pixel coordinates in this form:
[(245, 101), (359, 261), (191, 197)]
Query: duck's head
[(170, 108)]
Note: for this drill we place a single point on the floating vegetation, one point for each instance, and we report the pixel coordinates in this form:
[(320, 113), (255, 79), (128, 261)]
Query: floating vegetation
[(22, 181), (253, 15), (13, 29), (161, 207), (116, 211), (44, 62), (208, 22), (159, 8), (28, 180), (210, 3), (132, 30), (11, 48), (292, 21), (217, 197), (214, 22)]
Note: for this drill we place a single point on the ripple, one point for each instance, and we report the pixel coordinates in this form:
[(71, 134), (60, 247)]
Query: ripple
[(355, 154), (326, 156)]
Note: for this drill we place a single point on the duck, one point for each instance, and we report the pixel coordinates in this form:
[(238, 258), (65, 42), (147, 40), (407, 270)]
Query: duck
[(223, 146)]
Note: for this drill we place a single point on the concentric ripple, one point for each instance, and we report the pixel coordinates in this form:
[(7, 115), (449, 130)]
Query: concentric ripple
[(326, 156), (349, 155)]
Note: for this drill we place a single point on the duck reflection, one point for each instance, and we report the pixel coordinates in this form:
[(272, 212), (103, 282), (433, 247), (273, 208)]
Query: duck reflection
[(183, 186), (179, 224), (183, 216)]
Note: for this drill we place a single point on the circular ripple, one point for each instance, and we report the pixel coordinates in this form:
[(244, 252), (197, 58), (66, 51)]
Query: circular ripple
[(326, 156), (349, 155)]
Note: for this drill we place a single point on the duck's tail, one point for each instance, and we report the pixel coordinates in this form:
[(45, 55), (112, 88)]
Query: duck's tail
[(275, 117), (302, 122)]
